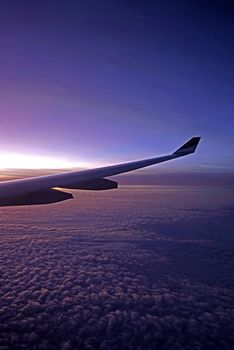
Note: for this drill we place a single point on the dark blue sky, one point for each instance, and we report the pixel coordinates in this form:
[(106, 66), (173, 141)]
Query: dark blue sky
[(109, 81)]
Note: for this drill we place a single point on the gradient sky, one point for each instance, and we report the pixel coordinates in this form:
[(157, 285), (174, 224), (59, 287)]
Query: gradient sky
[(95, 82)]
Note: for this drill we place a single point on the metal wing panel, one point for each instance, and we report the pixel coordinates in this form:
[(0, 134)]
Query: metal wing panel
[(18, 187), (23, 186)]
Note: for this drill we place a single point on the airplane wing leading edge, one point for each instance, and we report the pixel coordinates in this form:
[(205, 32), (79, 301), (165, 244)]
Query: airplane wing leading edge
[(40, 190)]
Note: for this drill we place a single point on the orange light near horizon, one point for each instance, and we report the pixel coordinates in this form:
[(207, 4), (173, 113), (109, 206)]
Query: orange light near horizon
[(21, 161)]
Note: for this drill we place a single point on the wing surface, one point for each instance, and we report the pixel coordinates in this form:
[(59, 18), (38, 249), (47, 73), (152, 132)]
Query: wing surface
[(21, 187)]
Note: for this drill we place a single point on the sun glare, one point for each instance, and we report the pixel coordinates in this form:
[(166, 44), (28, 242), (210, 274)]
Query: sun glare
[(20, 161)]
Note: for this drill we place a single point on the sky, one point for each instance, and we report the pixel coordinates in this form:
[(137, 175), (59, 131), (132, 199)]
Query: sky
[(87, 83)]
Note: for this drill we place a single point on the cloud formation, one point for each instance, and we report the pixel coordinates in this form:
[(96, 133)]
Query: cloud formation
[(126, 282)]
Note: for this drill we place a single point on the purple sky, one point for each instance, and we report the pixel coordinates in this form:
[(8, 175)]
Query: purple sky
[(109, 81)]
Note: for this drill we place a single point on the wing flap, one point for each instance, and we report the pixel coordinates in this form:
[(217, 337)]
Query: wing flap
[(93, 185), (35, 198)]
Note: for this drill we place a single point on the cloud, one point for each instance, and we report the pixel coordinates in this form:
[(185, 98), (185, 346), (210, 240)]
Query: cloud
[(81, 286)]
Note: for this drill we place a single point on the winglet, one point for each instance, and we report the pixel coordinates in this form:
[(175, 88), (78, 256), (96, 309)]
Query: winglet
[(188, 147)]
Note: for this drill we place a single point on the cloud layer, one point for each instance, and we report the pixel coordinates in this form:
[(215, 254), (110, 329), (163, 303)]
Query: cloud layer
[(118, 271)]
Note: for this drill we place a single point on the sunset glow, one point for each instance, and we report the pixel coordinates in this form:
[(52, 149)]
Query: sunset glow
[(21, 161), (91, 86)]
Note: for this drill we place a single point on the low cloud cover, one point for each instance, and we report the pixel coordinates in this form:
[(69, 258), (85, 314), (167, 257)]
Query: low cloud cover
[(129, 269)]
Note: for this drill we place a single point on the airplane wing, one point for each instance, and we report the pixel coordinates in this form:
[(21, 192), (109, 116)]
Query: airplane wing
[(40, 190)]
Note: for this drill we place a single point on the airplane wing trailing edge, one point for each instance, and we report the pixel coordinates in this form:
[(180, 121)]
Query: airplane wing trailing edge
[(41, 189)]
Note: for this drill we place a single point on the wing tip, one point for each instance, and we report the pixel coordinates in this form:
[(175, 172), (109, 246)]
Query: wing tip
[(189, 147)]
